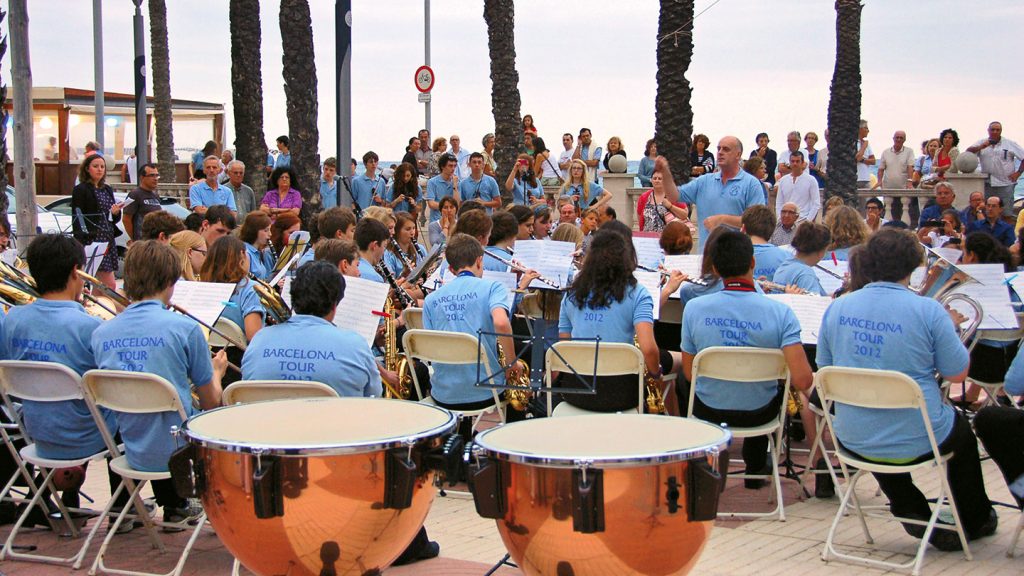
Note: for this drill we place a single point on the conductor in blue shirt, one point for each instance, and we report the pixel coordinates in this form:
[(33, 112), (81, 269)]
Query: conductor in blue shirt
[(720, 197), (886, 326), (309, 346)]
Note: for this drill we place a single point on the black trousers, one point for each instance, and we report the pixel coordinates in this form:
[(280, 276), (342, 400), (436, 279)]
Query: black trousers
[(990, 363), (1001, 431), (612, 393), (755, 450), (965, 481)]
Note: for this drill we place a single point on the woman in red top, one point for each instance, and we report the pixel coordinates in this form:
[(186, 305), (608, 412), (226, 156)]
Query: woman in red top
[(653, 210), (945, 157)]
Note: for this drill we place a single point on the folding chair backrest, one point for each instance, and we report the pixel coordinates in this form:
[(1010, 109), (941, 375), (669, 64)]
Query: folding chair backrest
[(247, 391), (613, 358), (446, 347), (231, 329), (882, 389), (740, 364), (413, 318), (132, 392), (40, 381)]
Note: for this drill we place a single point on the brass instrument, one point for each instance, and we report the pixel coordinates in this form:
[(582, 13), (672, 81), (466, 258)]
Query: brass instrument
[(16, 275), (655, 397), (278, 312), (794, 404), (391, 360), (113, 295), (518, 396), (768, 285), (15, 296), (966, 333), (518, 267)]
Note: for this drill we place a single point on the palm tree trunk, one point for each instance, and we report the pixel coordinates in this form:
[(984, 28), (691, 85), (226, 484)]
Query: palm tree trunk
[(3, 126), (162, 89), (673, 116), (300, 95), (505, 102), (24, 168), (247, 92), (844, 104)]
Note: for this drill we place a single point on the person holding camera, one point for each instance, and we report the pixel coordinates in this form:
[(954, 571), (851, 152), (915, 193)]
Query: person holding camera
[(522, 182)]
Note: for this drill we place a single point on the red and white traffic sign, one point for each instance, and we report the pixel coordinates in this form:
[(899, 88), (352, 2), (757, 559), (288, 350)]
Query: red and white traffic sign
[(424, 79)]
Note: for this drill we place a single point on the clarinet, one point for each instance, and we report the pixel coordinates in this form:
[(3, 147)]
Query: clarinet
[(403, 297), (273, 252), (405, 257)]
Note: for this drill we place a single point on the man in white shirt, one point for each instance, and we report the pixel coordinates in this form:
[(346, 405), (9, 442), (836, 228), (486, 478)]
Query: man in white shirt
[(461, 157), (793, 143), (865, 157), (566, 156), (896, 170), (798, 187), (1001, 159), (586, 151)]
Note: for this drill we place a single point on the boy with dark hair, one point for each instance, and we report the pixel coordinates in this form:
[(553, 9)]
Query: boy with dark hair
[(343, 254), (371, 238), (504, 229), (161, 225), (758, 222), (218, 221)]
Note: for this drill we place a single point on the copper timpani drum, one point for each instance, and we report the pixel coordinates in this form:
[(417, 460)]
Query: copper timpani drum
[(601, 494), (317, 486)]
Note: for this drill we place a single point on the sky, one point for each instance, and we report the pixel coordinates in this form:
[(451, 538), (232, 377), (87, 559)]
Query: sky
[(758, 65)]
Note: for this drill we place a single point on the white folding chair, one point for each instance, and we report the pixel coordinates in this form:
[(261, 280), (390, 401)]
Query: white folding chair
[(42, 382), (450, 348), (10, 431), (1016, 535), (740, 365), (992, 389), (134, 393), (229, 328), (246, 391), (612, 359), (882, 390), (413, 318), (819, 448)]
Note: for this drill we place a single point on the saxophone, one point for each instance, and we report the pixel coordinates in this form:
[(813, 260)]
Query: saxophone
[(519, 394), (391, 360), (794, 404), (655, 399)]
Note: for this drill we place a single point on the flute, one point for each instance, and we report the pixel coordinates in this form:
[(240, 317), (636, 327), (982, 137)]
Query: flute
[(829, 272), (666, 275), (768, 285), (521, 269)]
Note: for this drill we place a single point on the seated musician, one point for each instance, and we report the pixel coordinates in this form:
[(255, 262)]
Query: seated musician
[(403, 247), (372, 238), (468, 303), (337, 222), (1000, 429), (56, 328), (811, 242), (228, 262), (308, 346), (758, 222), (147, 337), (605, 300), (739, 316), (884, 325), (504, 229), (191, 249), (255, 233), (161, 225), (218, 221), (342, 254)]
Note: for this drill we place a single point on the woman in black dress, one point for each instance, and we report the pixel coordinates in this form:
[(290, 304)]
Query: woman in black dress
[(95, 214)]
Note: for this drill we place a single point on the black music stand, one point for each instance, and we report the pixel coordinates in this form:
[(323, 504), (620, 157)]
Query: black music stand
[(538, 348)]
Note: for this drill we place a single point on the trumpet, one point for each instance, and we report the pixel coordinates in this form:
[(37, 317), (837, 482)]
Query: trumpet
[(768, 285), (518, 267), (665, 275)]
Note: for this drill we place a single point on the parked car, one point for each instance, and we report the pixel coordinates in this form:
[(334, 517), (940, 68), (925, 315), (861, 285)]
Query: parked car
[(49, 222), (63, 206)]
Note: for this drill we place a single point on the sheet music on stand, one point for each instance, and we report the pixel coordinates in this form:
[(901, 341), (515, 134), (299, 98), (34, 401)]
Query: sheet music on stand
[(204, 300), (552, 259), (438, 277), (356, 310), (651, 281), (809, 310), (830, 283), (94, 254), (286, 290), (437, 252), (648, 251), (688, 264), (506, 279), (990, 291), (284, 270)]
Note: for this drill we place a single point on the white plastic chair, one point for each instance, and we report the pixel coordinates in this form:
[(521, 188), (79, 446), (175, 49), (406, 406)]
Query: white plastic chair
[(451, 348), (1016, 535), (229, 328), (882, 390), (613, 359), (413, 318), (246, 391), (992, 389), (819, 448), (42, 382), (740, 365), (134, 393)]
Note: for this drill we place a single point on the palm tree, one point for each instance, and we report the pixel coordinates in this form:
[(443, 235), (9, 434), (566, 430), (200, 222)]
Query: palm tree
[(673, 116), (505, 102), (300, 95), (247, 91), (3, 126), (844, 104), (162, 89)]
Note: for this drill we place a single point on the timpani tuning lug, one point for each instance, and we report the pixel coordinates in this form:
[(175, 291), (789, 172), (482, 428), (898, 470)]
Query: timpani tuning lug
[(267, 496), (486, 483), (186, 470), (588, 499), (400, 472), (672, 495), (704, 487)]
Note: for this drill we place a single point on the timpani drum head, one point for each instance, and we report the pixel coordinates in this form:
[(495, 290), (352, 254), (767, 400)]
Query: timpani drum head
[(318, 426), (605, 440)]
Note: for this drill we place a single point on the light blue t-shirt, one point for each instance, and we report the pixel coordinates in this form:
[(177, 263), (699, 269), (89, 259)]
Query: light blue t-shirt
[(395, 263), (596, 190), (261, 262), (243, 301), (201, 194), (311, 348), (484, 189), (737, 318), (712, 197), (465, 304), (368, 272), (793, 271), (329, 193), (767, 258), (688, 290), (1014, 380), (885, 326), (197, 160), (364, 189), (493, 264), (176, 350), (614, 323), (283, 160), (523, 194), (437, 188), (56, 331), (592, 152)]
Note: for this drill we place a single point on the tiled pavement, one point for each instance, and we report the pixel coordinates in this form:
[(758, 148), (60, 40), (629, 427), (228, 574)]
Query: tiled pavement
[(470, 544)]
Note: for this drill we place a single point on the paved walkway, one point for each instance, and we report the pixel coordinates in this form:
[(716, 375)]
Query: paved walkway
[(470, 544)]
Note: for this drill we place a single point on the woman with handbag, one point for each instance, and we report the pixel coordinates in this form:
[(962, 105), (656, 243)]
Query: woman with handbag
[(95, 214)]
